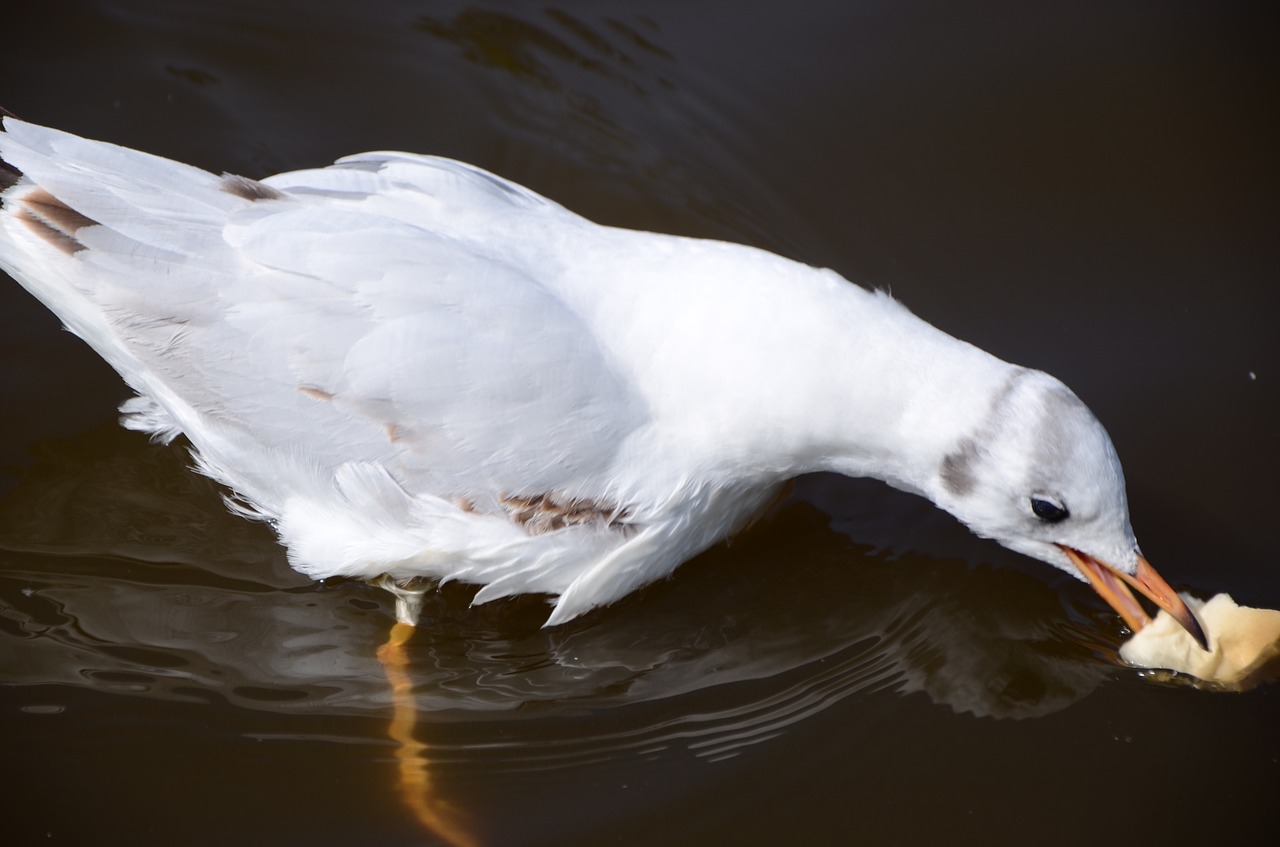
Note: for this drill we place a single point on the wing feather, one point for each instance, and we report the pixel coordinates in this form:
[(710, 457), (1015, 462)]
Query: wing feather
[(377, 355)]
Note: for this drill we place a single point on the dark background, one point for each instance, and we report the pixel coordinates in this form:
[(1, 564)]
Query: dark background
[(1086, 188)]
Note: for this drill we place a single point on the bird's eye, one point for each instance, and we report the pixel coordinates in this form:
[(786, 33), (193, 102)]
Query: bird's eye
[(1048, 510)]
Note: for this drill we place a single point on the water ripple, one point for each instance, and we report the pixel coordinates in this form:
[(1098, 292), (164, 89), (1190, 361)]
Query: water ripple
[(724, 657)]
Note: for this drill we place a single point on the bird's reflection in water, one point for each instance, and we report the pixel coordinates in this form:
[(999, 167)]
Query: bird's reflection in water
[(125, 574)]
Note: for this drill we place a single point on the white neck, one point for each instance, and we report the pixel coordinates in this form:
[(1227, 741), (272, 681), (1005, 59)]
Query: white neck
[(863, 388), (825, 375)]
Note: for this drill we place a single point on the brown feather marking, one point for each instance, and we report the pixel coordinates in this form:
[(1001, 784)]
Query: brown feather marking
[(316, 393), (539, 513), (49, 233), (249, 189), (56, 213), (53, 220)]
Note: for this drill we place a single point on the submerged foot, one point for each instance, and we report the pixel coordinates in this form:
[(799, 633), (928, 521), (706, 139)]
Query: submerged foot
[(408, 594)]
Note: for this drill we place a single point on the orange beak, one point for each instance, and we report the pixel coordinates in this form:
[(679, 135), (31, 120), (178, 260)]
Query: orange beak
[(1110, 585)]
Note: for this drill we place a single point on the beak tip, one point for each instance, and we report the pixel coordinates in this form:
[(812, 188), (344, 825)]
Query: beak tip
[(1197, 632), (1110, 583)]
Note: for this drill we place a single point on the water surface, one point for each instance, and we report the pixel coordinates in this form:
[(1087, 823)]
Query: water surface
[(1091, 191)]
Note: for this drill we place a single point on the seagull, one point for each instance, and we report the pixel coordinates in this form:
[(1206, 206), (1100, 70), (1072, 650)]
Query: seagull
[(417, 371)]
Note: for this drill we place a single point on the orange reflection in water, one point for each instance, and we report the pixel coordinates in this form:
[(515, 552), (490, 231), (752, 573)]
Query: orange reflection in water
[(415, 784)]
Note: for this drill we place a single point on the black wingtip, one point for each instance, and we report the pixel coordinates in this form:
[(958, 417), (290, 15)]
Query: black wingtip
[(9, 175)]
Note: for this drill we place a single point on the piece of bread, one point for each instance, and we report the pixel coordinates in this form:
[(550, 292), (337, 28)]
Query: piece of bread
[(1244, 643)]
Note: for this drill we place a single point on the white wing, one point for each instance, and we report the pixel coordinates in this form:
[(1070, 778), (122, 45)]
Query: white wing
[(460, 373), (333, 333)]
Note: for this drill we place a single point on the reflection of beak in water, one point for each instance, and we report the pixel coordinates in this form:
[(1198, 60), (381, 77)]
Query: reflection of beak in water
[(416, 788)]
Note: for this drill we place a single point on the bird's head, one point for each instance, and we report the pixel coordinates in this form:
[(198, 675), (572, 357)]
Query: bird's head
[(1040, 476)]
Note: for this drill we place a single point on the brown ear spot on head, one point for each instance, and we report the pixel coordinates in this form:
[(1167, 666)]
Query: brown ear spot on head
[(956, 469)]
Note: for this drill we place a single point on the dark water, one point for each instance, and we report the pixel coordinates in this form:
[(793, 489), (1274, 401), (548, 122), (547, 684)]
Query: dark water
[(1090, 190)]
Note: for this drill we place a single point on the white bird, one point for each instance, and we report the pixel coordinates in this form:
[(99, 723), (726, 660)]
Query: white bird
[(414, 368)]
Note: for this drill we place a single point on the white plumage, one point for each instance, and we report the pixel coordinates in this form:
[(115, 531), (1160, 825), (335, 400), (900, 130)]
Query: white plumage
[(413, 367)]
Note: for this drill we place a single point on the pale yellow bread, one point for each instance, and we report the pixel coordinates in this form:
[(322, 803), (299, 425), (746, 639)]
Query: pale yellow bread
[(1242, 640)]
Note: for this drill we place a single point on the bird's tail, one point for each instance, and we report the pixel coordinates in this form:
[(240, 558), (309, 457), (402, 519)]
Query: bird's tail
[(93, 229), (123, 246)]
